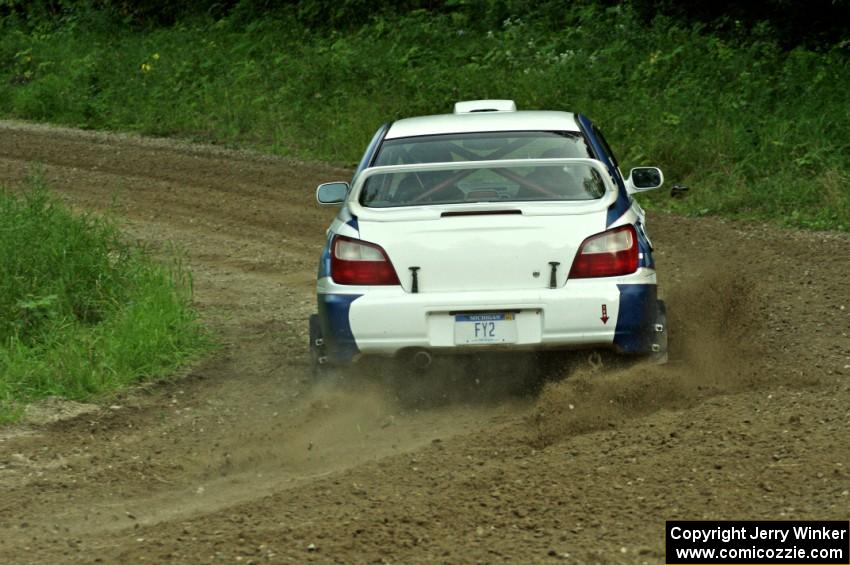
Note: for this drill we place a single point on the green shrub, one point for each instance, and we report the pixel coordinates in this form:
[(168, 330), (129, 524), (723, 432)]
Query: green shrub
[(82, 312)]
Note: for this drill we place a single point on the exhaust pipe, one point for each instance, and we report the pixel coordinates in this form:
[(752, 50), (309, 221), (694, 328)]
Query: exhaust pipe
[(422, 360)]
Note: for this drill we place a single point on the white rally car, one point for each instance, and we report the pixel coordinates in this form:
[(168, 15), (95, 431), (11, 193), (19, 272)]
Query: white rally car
[(487, 229)]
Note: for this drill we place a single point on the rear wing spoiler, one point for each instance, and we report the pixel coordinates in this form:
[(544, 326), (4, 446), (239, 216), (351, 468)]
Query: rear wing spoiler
[(434, 211)]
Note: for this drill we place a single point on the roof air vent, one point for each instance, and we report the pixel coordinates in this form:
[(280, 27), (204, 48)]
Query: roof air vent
[(470, 106)]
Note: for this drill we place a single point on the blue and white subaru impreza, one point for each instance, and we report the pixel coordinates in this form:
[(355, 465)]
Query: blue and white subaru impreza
[(488, 228)]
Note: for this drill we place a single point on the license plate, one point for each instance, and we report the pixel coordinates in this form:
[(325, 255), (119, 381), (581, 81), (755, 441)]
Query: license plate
[(471, 329)]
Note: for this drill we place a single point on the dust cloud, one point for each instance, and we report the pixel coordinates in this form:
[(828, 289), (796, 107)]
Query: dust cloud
[(715, 348)]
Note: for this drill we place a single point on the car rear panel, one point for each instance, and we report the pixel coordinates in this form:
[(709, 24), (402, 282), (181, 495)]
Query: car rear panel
[(483, 252)]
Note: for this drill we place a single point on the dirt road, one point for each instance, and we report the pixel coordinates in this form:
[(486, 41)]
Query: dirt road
[(244, 460)]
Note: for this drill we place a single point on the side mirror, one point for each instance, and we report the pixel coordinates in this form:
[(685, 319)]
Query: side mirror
[(644, 178), (332, 192)]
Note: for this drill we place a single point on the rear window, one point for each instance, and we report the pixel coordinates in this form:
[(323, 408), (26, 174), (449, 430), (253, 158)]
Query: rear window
[(556, 182), (482, 146)]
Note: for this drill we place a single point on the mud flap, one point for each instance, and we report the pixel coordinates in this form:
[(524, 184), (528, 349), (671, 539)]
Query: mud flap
[(318, 356), (659, 339)]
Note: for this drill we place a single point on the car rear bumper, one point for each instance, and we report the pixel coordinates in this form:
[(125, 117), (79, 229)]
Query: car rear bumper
[(618, 313)]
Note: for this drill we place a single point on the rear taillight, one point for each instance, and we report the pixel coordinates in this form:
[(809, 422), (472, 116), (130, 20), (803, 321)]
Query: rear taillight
[(357, 262), (608, 254)]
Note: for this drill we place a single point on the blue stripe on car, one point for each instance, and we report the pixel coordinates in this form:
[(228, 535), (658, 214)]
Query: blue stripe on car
[(646, 259), (340, 345), (621, 205), (325, 260), (346, 217), (636, 318), (371, 150), (618, 208)]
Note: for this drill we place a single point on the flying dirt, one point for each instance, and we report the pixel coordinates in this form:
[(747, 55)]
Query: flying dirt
[(243, 458)]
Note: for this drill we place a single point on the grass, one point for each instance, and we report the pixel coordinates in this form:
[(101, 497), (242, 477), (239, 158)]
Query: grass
[(753, 130), (82, 312)]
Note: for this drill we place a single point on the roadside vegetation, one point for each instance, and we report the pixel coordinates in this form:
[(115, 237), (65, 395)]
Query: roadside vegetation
[(756, 128), (81, 311)]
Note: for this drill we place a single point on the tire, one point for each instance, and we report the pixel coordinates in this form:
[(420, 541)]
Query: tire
[(660, 337)]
